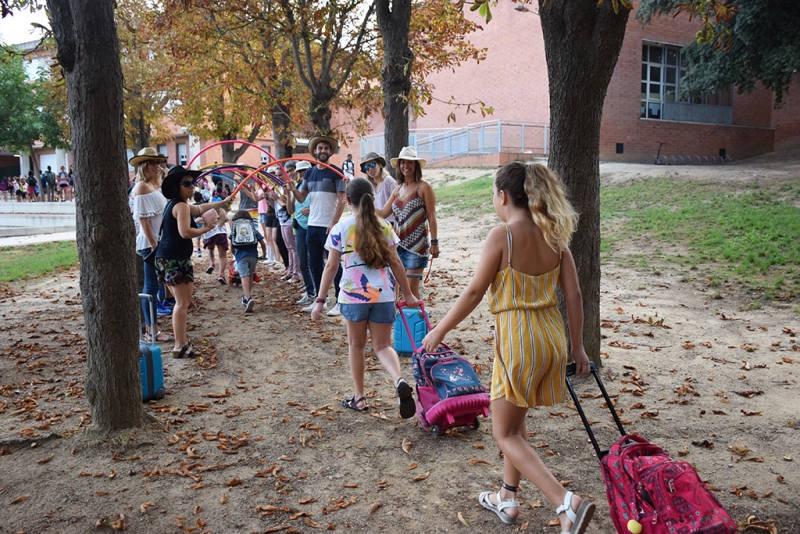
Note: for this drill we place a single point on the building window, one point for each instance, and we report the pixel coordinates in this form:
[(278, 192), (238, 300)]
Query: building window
[(264, 157), (181, 149), (162, 149), (662, 69)]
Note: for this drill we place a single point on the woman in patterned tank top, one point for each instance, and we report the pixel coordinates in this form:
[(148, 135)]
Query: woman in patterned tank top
[(413, 204)]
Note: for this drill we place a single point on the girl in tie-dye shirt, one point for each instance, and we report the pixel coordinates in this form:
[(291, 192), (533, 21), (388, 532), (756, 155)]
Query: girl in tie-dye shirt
[(368, 246)]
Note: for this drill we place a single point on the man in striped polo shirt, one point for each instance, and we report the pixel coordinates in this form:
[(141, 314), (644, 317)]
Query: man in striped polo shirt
[(326, 191)]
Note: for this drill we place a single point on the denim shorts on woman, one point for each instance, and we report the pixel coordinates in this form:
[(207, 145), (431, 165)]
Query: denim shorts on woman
[(411, 260), (378, 312)]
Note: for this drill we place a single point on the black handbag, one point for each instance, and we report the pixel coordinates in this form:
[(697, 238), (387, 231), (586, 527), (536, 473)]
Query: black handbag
[(150, 259)]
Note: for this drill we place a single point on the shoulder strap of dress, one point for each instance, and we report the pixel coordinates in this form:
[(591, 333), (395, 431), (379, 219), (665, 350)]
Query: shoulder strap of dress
[(508, 234)]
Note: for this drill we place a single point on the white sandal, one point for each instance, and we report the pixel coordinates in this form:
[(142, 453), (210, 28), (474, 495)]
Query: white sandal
[(499, 507), (580, 518)]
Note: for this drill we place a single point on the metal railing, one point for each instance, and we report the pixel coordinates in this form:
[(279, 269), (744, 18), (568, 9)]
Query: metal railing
[(489, 137)]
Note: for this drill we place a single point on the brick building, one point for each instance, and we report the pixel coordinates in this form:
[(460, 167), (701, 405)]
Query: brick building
[(644, 105)]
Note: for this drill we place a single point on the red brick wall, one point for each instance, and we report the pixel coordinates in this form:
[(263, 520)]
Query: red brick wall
[(753, 109), (512, 79), (621, 122), (786, 119)]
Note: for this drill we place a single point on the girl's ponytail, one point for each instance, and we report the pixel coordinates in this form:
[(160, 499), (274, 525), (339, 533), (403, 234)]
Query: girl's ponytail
[(540, 190), (370, 240)]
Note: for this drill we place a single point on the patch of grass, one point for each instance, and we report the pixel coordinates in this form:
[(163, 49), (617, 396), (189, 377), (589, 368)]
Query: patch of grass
[(472, 195), (19, 263), (750, 232)]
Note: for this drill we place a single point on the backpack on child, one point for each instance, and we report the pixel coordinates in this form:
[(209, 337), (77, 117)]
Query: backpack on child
[(243, 233)]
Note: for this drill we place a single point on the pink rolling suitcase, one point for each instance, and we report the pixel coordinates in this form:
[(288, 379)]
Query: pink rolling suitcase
[(449, 393)]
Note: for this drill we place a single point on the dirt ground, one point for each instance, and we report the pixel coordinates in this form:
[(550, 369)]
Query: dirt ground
[(252, 437)]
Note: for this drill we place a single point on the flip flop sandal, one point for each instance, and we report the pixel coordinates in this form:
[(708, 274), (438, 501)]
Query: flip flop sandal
[(167, 337), (182, 353), (500, 507), (352, 402), (405, 399), (581, 517)]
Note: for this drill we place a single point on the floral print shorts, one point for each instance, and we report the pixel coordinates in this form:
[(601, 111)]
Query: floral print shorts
[(174, 272)]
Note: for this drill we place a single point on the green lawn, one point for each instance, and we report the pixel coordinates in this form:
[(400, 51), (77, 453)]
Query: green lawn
[(18, 263), (742, 233)]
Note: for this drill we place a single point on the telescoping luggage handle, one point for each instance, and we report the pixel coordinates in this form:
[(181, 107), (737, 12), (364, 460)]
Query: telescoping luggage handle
[(402, 304), (153, 319), (596, 373)]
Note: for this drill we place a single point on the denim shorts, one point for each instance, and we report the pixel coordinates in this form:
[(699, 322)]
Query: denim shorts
[(411, 260), (378, 312), (246, 266)]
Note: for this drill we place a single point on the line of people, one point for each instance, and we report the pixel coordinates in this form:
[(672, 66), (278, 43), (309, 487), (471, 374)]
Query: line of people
[(49, 187), (522, 264)]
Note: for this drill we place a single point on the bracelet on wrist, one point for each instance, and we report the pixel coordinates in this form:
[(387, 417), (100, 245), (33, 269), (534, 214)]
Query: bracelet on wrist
[(319, 300)]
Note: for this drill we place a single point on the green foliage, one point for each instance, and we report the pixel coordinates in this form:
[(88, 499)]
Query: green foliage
[(761, 42), (19, 263), (25, 115)]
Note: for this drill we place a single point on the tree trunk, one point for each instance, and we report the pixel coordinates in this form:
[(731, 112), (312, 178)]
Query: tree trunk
[(231, 154), (141, 137), (396, 73), (281, 131), (88, 51), (33, 160), (582, 44), (319, 111)]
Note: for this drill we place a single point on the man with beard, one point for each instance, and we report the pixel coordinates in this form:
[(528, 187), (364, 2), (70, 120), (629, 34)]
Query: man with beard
[(326, 191)]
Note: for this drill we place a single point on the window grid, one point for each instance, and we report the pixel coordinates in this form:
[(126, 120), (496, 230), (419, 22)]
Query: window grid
[(662, 69)]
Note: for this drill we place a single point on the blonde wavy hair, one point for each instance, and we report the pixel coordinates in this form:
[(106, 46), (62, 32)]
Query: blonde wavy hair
[(540, 190), (141, 175)]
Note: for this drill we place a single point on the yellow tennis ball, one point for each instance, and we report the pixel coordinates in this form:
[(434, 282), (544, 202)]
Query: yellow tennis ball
[(634, 526)]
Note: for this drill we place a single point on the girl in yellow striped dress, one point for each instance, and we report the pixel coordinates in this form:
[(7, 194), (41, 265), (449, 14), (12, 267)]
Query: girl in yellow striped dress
[(523, 261)]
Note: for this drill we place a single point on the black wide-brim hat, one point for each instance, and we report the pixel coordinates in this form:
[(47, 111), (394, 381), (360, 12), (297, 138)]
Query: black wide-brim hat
[(176, 174)]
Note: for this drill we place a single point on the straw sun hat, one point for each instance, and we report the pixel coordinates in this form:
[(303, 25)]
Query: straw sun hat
[(409, 153), (146, 154)]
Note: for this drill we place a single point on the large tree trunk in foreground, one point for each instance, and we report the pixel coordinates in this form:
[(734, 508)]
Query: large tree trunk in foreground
[(396, 73), (582, 44), (88, 51)]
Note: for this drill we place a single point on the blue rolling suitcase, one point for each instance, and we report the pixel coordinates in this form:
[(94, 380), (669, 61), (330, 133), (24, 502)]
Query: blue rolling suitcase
[(151, 364), (417, 325)]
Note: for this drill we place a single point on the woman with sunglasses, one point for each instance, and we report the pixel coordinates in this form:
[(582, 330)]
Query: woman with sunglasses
[(374, 167), (174, 253)]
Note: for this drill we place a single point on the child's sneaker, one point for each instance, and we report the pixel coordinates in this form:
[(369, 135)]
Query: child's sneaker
[(221, 281), (405, 399), (335, 311), (199, 253), (163, 310), (248, 304), (210, 269), (306, 300)]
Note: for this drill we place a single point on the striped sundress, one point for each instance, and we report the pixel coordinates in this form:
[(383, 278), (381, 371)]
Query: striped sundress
[(530, 354), (411, 221)]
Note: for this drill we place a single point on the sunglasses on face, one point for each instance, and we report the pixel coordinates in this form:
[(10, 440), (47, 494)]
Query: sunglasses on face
[(367, 166), (187, 183)]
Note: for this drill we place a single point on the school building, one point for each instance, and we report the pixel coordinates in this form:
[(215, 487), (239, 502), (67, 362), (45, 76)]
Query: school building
[(645, 106)]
